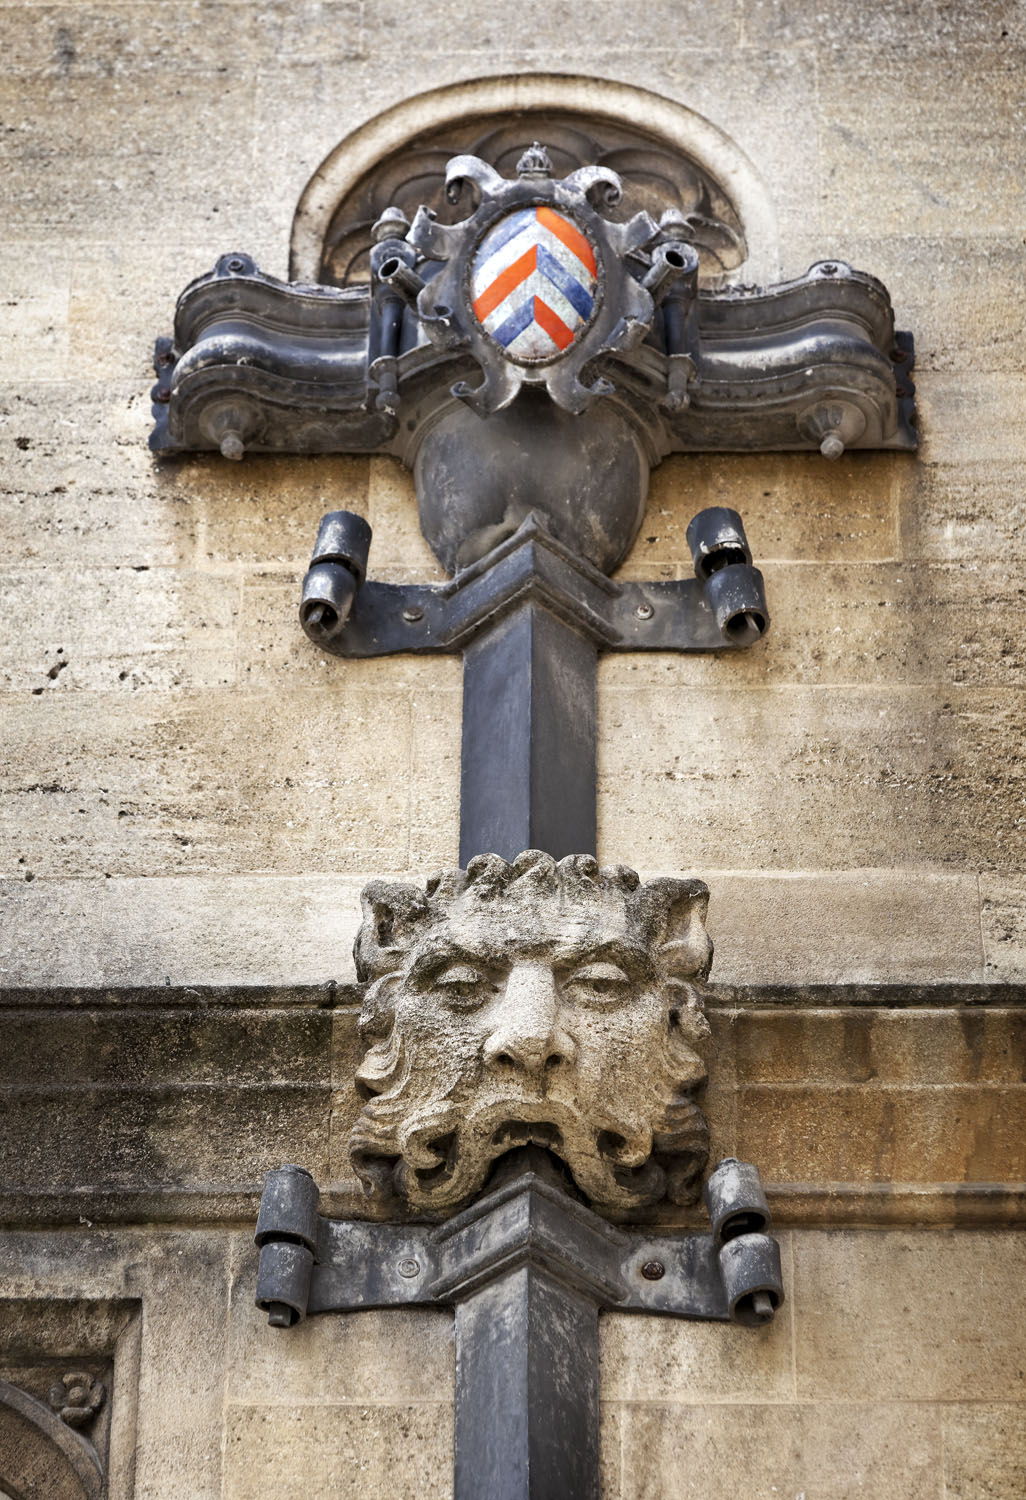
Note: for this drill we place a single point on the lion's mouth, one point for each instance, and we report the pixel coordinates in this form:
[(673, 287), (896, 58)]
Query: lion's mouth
[(506, 1136), (443, 1160), (512, 1133)]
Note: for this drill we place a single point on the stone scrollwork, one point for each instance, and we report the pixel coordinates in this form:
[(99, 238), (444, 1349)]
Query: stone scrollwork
[(558, 1004)]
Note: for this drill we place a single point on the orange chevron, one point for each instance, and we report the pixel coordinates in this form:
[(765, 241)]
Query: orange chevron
[(571, 237), (506, 282), (552, 323)]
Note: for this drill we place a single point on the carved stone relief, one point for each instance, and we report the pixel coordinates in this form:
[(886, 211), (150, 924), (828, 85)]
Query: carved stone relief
[(539, 1002), (42, 1456), (654, 176), (68, 1391)]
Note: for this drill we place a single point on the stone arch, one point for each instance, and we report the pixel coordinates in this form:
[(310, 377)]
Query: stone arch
[(40, 1457), (665, 152)]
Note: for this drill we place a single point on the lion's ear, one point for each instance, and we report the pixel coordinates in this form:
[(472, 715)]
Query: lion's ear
[(676, 911), (392, 917)]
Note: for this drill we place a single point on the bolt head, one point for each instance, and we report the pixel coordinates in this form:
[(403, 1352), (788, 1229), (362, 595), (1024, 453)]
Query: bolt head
[(409, 1268), (653, 1270), (412, 614), (644, 611)]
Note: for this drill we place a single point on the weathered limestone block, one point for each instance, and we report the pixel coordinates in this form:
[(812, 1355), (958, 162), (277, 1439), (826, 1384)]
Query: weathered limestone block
[(902, 1316), (1004, 926), (155, 1305), (131, 628), (345, 1451), (148, 784), (911, 155), (854, 776), (901, 1375), (840, 1451)]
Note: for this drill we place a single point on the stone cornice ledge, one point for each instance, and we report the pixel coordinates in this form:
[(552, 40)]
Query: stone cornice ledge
[(105, 1092), (794, 1205), (340, 996)]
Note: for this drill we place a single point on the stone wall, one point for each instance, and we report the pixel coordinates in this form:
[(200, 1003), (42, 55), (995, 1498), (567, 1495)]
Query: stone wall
[(896, 1369), (193, 796)]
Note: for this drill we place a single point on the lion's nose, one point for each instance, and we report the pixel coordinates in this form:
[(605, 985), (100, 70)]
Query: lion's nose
[(527, 1033)]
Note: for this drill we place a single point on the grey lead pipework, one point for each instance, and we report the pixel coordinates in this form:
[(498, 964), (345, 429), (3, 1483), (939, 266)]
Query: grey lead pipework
[(310, 1265), (527, 1270), (491, 1089), (529, 619), (531, 471)]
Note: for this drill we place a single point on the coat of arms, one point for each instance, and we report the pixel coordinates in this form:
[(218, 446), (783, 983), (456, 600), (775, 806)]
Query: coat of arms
[(538, 282), (534, 280)]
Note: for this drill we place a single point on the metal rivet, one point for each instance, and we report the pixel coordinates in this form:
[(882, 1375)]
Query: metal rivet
[(412, 613), (236, 265), (829, 270), (644, 611), (653, 1270), (409, 1268)]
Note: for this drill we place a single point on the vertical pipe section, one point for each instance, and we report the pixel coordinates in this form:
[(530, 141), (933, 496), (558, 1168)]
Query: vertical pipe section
[(529, 732), (527, 1409)]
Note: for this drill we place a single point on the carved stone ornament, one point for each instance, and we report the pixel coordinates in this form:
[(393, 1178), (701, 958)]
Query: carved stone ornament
[(558, 1004), (77, 1397), (655, 175), (41, 1455)]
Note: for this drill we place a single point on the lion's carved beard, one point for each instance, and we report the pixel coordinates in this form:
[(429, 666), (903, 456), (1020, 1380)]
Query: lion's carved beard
[(431, 1134)]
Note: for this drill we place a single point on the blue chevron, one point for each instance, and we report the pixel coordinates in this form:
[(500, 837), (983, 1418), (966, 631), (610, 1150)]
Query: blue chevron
[(515, 324), (568, 284), (507, 230)]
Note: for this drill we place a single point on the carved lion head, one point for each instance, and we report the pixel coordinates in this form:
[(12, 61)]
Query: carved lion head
[(559, 1004)]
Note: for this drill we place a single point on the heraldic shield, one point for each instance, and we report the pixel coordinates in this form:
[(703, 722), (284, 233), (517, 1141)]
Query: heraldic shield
[(538, 283), (534, 282)]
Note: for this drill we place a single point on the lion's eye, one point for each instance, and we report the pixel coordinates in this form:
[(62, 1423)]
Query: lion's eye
[(462, 984), (600, 981)]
